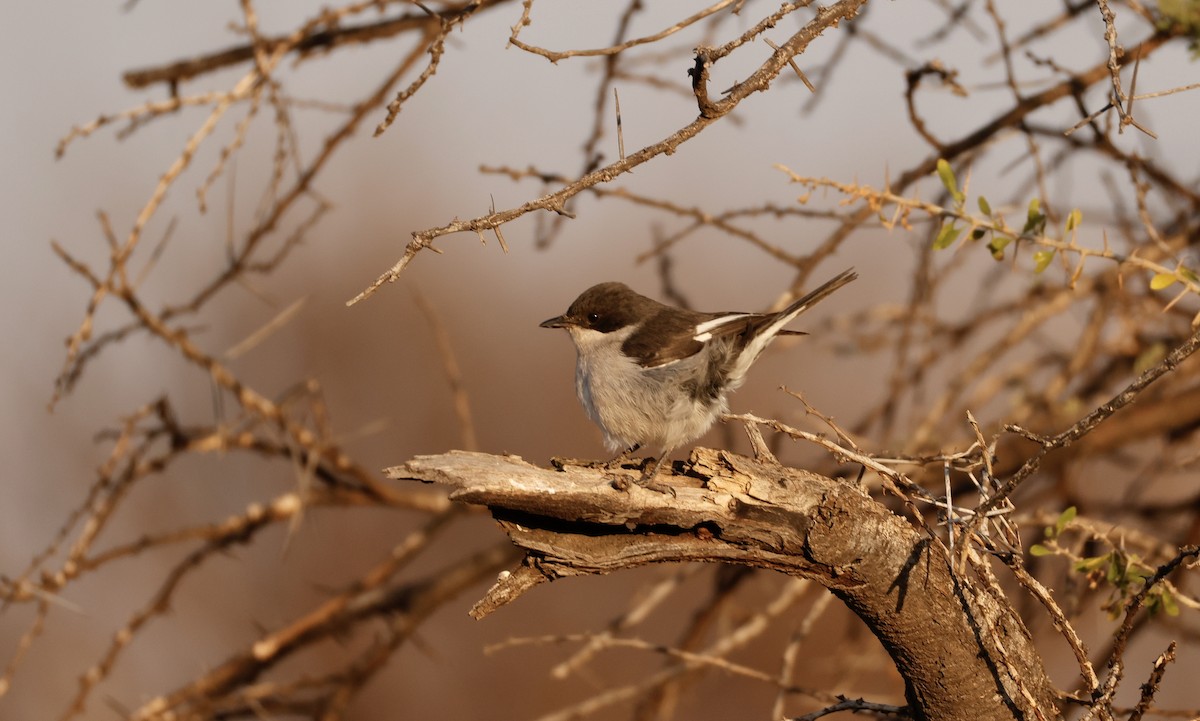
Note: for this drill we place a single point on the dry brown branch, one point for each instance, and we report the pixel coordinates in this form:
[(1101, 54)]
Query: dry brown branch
[(893, 210), (656, 685), (664, 696), (237, 530), (591, 156), (855, 705), (700, 217), (686, 657), (462, 400), (437, 46), (323, 33), (791, 655), (1084, 425), (373, 594), (654, 597), (1150, 688), (554, 56), (573, 522), (966, 375), (1060, 621), (758, 81), (1117, 98)]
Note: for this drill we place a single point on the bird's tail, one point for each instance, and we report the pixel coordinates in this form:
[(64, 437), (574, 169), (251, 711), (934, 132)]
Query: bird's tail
[(817, 295), (772, 323)]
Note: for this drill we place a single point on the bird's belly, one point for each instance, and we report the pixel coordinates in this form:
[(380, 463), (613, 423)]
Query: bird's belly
[(645, 407)]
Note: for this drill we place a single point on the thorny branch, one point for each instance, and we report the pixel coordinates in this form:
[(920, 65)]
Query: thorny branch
[(710, 112), (1026, 362)]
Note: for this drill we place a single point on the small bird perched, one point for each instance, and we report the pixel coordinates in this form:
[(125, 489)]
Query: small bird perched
[(656, 376)]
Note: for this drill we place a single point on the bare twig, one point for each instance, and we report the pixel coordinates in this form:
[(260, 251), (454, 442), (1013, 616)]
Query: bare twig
[(554, 202), (462, 400)]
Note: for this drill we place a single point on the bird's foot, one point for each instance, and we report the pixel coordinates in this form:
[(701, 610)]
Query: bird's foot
[(646, 480), (663, 488), (620, 461), (623, 458), (622, 481)]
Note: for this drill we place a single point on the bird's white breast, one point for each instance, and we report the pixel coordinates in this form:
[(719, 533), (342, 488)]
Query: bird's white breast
[(635, 405)]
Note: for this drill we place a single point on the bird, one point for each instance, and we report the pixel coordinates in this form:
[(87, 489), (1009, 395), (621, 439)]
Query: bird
[(654, 376)]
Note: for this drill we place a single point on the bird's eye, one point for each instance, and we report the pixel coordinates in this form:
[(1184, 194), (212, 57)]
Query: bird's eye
[(593, 317)]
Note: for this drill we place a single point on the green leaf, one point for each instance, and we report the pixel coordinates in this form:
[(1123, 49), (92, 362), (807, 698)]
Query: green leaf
[(1169, 603), (1074, 218), (1116, 569), (1063, 519), (1149, 357), (946, 173), (997, 246), (1041, 260), (984, 207), (947, 236), (1034, 220), (1162, 280), (1188, 274), (1094, 563), (1038, 549), (1182, 17)]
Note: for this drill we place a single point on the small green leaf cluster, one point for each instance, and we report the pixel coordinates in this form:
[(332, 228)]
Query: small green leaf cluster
[(1166, 280), (1184, 14), (950, 230), (1125, 572), (993, 224)]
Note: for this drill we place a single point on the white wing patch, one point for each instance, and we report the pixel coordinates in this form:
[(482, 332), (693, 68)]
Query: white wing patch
[(664, 364), (704, 330)]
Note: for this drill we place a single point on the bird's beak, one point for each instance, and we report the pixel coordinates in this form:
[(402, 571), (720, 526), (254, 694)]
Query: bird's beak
[(555, 322)]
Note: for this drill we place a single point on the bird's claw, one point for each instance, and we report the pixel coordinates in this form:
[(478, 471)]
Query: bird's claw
[(623, 483), (662, 488), (647, 480)]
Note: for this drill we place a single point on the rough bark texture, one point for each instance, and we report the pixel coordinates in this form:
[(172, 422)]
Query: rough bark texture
[(962, 650)]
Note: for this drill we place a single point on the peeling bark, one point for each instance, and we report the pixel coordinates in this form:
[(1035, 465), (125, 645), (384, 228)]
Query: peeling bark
[(958, 643)]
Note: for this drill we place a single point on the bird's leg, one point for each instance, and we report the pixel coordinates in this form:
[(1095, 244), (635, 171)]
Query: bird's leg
[(622, 456), (647, 479)]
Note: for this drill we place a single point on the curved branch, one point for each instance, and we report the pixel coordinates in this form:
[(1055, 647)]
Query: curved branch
[(554, 55), (317, 37), (958, 645), (711, 111)]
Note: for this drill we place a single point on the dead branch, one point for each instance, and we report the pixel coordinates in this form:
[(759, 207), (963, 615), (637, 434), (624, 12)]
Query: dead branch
[(1030, 354), (944, 636), (320, 34), (710, 112)]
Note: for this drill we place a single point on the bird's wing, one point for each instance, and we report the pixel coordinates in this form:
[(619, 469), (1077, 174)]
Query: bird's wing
[(663, 341), (671, 336), (723, 324), (667, 338), (751, 325)]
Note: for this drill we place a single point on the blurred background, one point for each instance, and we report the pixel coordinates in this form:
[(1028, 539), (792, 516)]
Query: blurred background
[(378, 366)]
